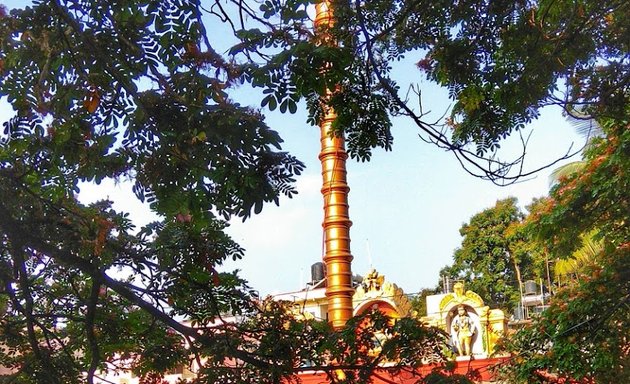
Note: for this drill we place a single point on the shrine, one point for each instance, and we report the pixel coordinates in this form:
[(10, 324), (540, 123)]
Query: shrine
[(485, 326)]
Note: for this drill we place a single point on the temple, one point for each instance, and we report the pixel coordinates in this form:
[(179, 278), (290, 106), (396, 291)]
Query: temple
[(369, 292), (453, 312), (335, 295), (447, 311)]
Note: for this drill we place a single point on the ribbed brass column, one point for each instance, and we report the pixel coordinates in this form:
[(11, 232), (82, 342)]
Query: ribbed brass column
[(336, 225)]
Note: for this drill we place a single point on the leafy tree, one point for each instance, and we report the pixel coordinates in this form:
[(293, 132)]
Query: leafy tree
[(419, 301), (103, 90), (585, 332), (501, 62), (134, 90), (568, 269), (589, 129), (489, 259)]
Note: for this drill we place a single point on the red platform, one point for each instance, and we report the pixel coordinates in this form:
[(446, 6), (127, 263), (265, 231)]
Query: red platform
[(481, 369)]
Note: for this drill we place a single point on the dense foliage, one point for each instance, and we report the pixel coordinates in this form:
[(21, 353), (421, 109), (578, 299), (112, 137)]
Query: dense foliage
[(585, 333), (103, 90), (502, 61), (135, 91), (491, 258)]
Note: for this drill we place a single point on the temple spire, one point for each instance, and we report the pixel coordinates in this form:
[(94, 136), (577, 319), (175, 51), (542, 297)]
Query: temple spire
[(336, 224)]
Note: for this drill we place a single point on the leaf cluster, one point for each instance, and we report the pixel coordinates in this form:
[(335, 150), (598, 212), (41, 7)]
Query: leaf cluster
[(584, 333), (135, 91), (491, 252), (502, 61), (104, 90)]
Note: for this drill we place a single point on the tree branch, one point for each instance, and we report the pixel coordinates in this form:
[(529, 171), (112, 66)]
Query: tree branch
[(494, 170)]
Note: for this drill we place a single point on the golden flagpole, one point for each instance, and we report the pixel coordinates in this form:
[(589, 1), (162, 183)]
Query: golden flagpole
[(336, 224)]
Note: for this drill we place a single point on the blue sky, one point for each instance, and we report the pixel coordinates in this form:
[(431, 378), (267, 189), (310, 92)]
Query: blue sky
[(406, 205)]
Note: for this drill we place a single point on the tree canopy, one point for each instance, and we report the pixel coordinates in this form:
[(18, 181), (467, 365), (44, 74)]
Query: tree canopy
[(493, 255), (501, 62), (135, 90), (585, 331)]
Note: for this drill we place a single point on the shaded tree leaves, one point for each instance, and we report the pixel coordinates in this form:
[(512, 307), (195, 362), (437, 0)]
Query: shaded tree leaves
[(502, 61), (485, 258), (584, 333)]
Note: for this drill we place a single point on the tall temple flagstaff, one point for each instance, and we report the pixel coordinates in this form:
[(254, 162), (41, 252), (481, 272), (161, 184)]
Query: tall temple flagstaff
[(338, 296), (336, 224)]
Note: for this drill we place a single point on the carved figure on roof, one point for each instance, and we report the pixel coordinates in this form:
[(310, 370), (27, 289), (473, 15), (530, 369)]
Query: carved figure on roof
[(375, 288), (459, 297), (459, 289), (373, 281)]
